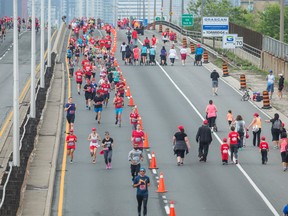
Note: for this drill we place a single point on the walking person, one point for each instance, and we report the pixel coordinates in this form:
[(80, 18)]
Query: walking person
[(230, 118), (181, 144), (71, 140), (280, 86), (211, 114), (183, 54), (233, 138), (241, 130), (264, 149), (224, 149), (129, 33), (123, 50), (270, 83), (256, 125), (163, 56), (94, 137), (284, 151), (214, 76), (172, 55), (142, 182), (70, 109), (135, 157), (204, 137), (107, 144), (275, 129)]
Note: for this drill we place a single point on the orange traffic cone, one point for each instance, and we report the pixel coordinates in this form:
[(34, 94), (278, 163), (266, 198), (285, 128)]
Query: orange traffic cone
[(140, 123), (128, 93), (172, 209), (131, 101), (161, 185), (153, 162), (146, 143)]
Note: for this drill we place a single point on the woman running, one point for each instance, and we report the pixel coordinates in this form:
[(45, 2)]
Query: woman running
[(107, 144), (94, 137)]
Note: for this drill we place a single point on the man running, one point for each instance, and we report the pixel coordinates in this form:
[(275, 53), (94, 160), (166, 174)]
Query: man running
[(118, 103), (88, 89), (98, 106), (214, 76), (70, 108), (79, 78), (135, 156)]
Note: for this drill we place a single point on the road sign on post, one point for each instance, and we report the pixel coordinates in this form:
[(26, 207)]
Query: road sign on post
[(187, 20), (157, 18), (239, 42), (215, 26), (229, 41)]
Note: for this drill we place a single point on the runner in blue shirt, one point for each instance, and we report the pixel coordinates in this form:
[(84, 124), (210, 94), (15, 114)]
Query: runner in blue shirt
[(198, 55), (152, 54), (143, 55)]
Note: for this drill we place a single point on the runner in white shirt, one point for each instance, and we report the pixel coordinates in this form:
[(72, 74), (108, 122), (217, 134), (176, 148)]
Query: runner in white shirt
[(94, 138), (172, 55)]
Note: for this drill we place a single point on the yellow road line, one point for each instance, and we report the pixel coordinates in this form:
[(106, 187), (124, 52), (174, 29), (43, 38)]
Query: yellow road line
[(63, 169), (25, 89)]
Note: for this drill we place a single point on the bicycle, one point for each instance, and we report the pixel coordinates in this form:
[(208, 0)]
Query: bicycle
[(246, 96)]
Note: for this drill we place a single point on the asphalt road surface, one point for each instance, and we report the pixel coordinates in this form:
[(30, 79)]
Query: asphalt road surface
[(6, 68), (167, 97)]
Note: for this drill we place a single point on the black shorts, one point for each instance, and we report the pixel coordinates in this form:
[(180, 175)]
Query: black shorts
[(284, 157), (79, 82), (88, 96), (135, 168), (198, 57), (275, 134), (87, 76), (144, 54), (70, 118)]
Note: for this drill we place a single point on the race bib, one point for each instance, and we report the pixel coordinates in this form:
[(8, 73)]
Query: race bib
[(71, 112), (138, 139), (136, 158), (225, 151), (71, 143), (142, 187), (94, 141)]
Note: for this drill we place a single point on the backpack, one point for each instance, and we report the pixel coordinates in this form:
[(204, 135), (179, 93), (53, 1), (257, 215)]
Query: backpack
[(277, 124)]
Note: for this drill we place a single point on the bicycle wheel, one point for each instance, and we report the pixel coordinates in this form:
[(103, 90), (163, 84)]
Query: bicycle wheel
[(245, 97)]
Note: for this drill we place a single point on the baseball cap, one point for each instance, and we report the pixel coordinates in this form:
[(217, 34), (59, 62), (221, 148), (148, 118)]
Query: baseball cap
[(270, 71), (256, 114), (71, 130), (93, 129), (263, 138), (283, 125), (224, 139), (205, 122), (181, 127), (143, 169)]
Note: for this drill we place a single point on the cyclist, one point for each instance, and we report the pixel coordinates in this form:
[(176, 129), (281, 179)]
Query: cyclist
[(198, 55)]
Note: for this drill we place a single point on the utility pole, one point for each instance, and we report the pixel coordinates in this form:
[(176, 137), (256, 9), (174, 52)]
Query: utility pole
[(202, 12), (154, 11), (182, 7), (282, 9), (16, 135), (143, 11), (49, 34), (170, 12)]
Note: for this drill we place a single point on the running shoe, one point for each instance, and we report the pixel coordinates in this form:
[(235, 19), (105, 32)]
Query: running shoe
[(116, 122), (107, 167)]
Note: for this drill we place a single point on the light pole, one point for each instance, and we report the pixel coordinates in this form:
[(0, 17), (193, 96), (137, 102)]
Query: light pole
[(16, 142), (182, 7), (170, 12), (202, 12), (162, 5), (143, 11), (49, 34), (42, 78), (33, 62), (282, 9)]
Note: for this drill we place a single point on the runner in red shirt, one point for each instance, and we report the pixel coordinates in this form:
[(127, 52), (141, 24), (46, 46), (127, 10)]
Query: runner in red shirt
[(224, 151), (79, 77), (76, 32), (134, 37), (147, 42), (85, 61), (134, 117), (233, 137), (84, 29), (120, 88), (153, 41), (88, 70), (264, 149), (71, 140), (118, 103), (106, 88), (137, 137)]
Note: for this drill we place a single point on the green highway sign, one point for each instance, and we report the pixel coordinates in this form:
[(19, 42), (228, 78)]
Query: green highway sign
[(187, 20), (157, 18)]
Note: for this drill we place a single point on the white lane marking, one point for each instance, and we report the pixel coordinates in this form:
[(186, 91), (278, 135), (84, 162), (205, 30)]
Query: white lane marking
[(165, 201), (267, 202)]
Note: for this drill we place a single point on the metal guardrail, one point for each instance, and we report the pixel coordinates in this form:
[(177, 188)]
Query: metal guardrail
[(195, 36), (275, 47)]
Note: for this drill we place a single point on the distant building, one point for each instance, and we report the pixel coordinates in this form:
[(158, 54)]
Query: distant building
[(258, 5)]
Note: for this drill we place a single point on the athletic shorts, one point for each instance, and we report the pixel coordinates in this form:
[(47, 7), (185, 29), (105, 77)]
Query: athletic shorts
[(144, 54), (98, 109), (183, 56), (275, 134), (118, 110), (71, 147), (270, 87), (284, 157), (106, 96), (92, 147), (214, 84), (180, 153), (70, 118), (88, 96), (78, 82)]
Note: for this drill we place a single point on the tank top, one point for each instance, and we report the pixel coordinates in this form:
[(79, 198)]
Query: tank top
[(94, 139)]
